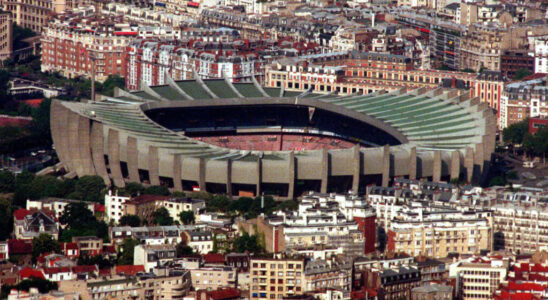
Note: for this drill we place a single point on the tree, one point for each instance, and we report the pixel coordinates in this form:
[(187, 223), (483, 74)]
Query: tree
[(161, 217), (6, 219), (125, 256), (247, 242), (178, 194), (44, 243), (7, 181), (113, 81), (187, 217), (498, 180), (515, 133), (90, 188), (133, 189), (218, 203), (130, 220), (44, 286), (40, 128), (99, 260), (80, 221), (157, 190), (5, 98), (521, 73), (183, 250)]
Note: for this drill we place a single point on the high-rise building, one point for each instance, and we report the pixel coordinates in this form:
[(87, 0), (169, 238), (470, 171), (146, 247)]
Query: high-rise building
[(35, 14), (6, 35)]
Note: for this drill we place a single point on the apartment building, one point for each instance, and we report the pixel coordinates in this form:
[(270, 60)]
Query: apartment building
[(478, 277), (74, 43), (392, 283), (6, 33), (367, 72), (58, 205), (4, 251), (328, 274), (520, 227), (335, 220), (212, 278), (482, 47), (199, 240), (35, 14), (513, 60), (541, 55), (523, 99), (114, 207), (276, 278), (28, 224), (89, 245), (150, 235), (151, 256)]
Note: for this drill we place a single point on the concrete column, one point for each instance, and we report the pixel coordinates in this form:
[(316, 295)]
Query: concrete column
[(356, 170), (58, 122), (177, 185), (98, 151), (291, 168), (153, 165), (259, 176), (85, 145), (202, 175), (325, 170), (386, 165), (114, 158), (73, 143), (478, 156), (469, 163), (436, 168), (413, 163), (132, 159), (229, 178), (455, 165)]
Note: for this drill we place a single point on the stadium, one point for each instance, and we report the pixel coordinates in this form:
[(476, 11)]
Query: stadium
[(244, 139)]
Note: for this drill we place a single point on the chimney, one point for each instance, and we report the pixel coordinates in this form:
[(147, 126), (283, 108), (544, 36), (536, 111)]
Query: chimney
[(453, 82)]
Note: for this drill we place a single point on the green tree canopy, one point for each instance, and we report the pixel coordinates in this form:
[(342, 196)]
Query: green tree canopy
[(80, 221), (125, 256), (187, 217), (515, 133), (247, 242), (183, 250), (113, 81), (161, 217), (157, 190), (44, 243), (7, 182), (130, 220), (133, 189), (521, 73), (90, 188), (6, 219)]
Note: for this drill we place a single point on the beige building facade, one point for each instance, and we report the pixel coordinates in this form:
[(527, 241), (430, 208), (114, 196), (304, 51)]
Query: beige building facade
[(6, 33), (276, 278)]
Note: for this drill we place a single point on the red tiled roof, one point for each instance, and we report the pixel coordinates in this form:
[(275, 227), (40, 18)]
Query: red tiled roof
[(19, 247), (84, 269), (28, 273), (109, 249), (99, 207), (50, 271), (104, 272), (33, 102), (227, 293), (130, 269), (69, 246), (214, 258), (21, 213), (525, 286)]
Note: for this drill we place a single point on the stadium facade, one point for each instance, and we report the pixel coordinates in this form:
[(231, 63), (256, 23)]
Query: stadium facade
[(244, 139)]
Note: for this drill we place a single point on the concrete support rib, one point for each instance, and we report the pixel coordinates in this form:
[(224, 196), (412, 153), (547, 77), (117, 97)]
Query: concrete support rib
[(478, 161), (153, 165), (85, 145), (132, 159), (412, 169), (58, 124), (386, 165), (291, 168), (436, 168), (455, 165), (259, 87), (325, 170), (202, 174), (469, 164), (259, 176), (98, 151), (114, 158), (229, 83), (229, 178), (203, 85), (151, 92), (73, 143), (174, 86), (356, 169), (177, 181)]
